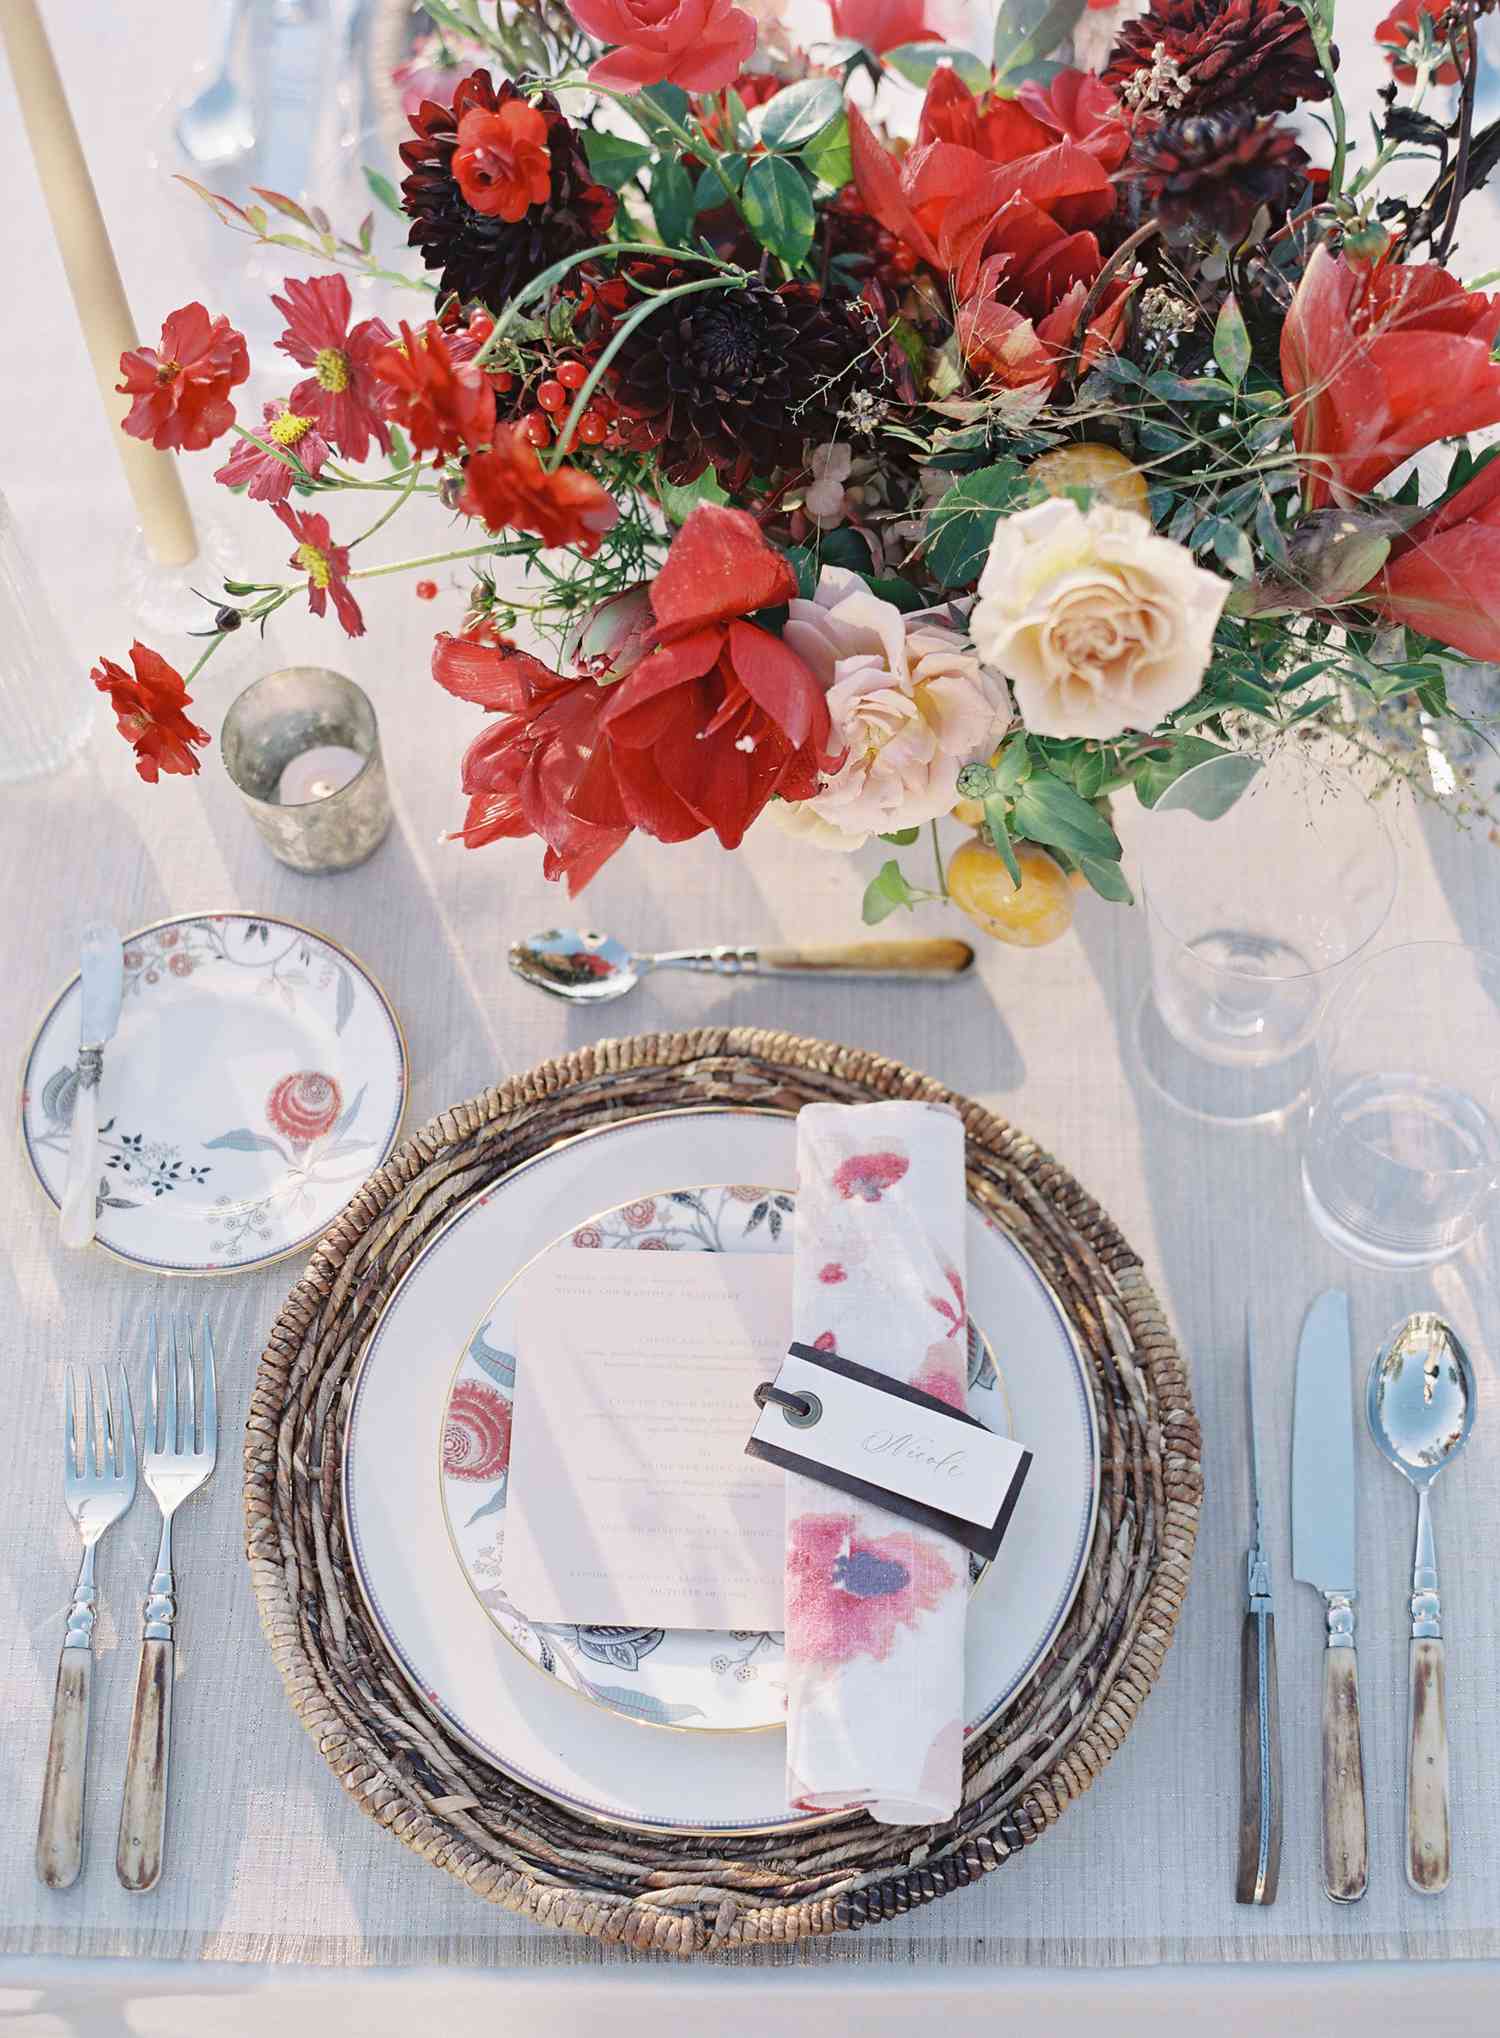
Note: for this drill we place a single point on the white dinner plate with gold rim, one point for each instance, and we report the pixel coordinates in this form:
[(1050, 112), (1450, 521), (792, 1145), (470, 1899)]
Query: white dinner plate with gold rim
[(694, 1680), (529, 1726), (257, 1076)]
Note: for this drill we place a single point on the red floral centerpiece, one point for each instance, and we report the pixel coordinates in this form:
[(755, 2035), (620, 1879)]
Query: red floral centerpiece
[(875, 436)]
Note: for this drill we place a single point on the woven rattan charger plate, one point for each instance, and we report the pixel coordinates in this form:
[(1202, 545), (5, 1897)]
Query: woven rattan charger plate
[(678, 1894)]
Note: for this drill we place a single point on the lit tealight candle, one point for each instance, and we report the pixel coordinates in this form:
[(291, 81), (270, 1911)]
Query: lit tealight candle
[(317, 774)]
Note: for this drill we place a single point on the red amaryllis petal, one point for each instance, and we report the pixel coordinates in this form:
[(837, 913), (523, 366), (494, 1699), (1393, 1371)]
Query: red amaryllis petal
[(491, 674), (1448, 587), (642, 706), (780, 684), (1082, 108), (950, 112), (879, 182), (719, 566), (1380, 360)]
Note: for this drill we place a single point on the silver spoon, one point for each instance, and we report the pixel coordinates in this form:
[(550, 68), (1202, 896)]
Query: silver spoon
[(590, 969), (216, 126), (1420, 1401)]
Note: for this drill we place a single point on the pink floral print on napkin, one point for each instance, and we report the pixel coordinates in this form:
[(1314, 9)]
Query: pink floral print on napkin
[(847, 1594), (868, 1175)]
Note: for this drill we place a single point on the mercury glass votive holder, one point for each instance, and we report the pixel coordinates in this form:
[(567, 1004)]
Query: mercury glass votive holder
[(303, 747)]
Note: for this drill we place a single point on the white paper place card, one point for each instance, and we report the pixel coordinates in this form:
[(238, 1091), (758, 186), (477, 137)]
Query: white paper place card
[(631, 1500), (857, 1429)]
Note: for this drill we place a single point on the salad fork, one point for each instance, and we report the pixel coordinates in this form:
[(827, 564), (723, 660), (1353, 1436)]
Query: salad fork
[(98, 1487), (179, 1456)]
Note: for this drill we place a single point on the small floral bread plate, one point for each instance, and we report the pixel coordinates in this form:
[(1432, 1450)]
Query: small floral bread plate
[(258, 1076), (541, 1730), (695, 1678)]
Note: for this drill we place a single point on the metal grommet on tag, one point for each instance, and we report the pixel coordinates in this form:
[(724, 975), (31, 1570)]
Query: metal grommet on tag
[(801, 1410)]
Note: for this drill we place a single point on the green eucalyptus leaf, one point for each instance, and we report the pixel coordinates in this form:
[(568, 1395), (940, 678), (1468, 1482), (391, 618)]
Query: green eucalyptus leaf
[(886, 891), (916, 62), (903, 838), (798, 113), (996, 824), (778, 208), (1214, 794), (613, 160), (962, 522), (1028, 30), (679, 503), (828, 155), (383, 189), (1107, 879), (1232, 342), (672, 201), (1047, 810)]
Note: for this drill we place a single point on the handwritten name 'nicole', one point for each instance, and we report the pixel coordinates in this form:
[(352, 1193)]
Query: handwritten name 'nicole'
[(913, 1450)]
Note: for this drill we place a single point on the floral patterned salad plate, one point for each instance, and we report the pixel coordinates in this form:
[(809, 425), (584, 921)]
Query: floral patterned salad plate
[(546, 1731), (693, 1678), (257, 1077)]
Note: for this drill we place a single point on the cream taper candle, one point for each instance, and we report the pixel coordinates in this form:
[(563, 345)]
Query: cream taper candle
[(93, 275)]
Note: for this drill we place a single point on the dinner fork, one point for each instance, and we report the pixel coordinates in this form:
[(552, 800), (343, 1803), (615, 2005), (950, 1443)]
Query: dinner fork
[(98, 1487), (176, 1464)]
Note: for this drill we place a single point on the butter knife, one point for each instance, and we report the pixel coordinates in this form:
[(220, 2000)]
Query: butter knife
[(1258, 1868), (103, 985), (1323, 1547)]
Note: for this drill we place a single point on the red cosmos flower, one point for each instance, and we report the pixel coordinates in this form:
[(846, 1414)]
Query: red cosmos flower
[(150, 712), (988, 179), (180, 387), (848, 1596), (342, 395), (1443, 575), (1379, 360), (446, 405), (502, 161), (1401, 27), (882, 25), (509, 486), (263, 477), (325, 564)]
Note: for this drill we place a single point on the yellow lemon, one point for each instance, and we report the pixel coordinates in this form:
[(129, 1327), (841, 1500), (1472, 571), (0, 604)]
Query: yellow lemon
[(1101, 468), (1030, 915)]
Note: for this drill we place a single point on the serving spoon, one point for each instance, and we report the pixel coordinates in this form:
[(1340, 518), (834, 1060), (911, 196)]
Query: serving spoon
[(1420, 1401), (590, 969)]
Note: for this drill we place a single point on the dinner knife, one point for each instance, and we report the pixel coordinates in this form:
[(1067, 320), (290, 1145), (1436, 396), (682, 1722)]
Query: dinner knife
[(103, 985), (1323, 1557), (1258, 1869)]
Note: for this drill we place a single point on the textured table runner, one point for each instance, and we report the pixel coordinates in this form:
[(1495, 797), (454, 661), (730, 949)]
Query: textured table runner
[(267, 1859)]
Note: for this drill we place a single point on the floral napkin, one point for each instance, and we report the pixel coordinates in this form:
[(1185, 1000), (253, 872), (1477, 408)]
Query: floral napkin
[(875, 1607)]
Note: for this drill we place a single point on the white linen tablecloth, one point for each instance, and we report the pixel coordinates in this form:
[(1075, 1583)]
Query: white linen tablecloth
[(268, 1859)]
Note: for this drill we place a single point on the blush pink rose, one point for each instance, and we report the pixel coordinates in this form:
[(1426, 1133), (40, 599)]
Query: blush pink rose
[(700, 45)]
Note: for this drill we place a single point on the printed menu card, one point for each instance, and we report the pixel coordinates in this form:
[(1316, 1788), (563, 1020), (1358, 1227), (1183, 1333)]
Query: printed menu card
[(631, 1498)]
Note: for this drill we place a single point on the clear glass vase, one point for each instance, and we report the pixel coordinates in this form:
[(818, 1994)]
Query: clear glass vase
[(46, 702)]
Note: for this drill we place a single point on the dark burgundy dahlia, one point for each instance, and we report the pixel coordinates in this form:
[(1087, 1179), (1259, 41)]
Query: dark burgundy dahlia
[(1216, 170), (742, 379), (1194, 56), (524, 162)]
